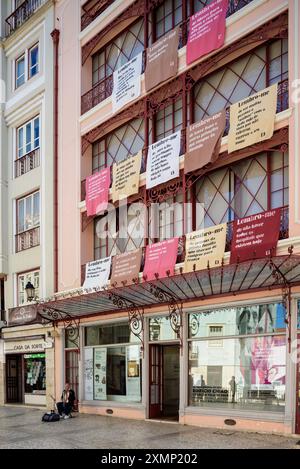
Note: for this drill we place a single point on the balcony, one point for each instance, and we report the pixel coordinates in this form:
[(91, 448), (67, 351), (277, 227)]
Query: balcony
[(22, 14), (27, 163), (92, 9), (28, 239), (103, 89), (283, 234)]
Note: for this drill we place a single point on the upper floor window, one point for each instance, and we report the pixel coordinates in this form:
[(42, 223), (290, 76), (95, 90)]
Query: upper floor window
[(28, 222), (23, 278), (28, 144), (27, 66), (118, 52), (119, 144)]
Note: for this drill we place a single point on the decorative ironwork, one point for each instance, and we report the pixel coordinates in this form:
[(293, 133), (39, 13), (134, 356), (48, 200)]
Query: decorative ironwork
[(55, 316), (194, 324), (135, 315), (28, 239), (92, 9), (22, 14), (163, 192), (175, 307)]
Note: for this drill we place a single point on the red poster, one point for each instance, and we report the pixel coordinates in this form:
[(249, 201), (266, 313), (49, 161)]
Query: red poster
[(161, 257), (255, 236), (97, 188), (207, 30)]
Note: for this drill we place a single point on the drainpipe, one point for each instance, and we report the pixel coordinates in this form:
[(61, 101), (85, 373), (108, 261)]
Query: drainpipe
[(55, 37)]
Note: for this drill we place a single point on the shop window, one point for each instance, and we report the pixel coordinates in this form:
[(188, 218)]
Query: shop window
[(246, 372), (160, 329), (35, 374), (118, 52), (250, 186), (112, 372), (23, 279), (119, 144)]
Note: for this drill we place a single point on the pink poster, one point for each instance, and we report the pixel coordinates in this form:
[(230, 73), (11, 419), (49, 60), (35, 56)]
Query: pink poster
[(161, 257), (207, 30), (97, 188)]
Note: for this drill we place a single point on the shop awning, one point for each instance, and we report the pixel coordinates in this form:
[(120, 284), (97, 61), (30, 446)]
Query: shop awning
[(257, 274)]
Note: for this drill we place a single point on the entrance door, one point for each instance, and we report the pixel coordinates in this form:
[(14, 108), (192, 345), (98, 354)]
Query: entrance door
[(164, 381), (298, 391), (14, 379)]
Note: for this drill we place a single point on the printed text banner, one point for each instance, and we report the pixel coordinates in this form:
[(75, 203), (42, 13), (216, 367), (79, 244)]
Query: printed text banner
[(204, 141), (162, 60), (127, 83), (97, 189), (126, 267), (252, 120), (163, 160), (97, 273), (160, 258), (205, 246), (100, 379), (255, 236), (126, 177), (207, 30)]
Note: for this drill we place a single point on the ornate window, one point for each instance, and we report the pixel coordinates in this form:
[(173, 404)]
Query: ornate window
[(167, 16), (251, 73), (119, 144), (250, 186), (118, 52), (169, 119)]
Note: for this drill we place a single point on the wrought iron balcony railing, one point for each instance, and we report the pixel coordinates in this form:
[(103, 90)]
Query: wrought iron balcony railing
[(283, 234), (103, 89), (27, 163), (28, 239), (22, 14)]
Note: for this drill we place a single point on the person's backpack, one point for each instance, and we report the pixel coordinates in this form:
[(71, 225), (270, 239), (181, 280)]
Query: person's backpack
[(50, 417)]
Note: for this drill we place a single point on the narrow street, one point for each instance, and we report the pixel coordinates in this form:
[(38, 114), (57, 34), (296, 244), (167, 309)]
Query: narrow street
[(21, 428)]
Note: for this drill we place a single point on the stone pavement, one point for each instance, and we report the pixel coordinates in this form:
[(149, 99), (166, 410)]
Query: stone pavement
[(22, 428)]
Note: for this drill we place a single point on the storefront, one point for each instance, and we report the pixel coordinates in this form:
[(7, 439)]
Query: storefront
[(147, 353), (28, 360)]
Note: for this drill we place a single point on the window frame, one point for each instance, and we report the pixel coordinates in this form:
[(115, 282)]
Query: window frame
[(37, 65), (21, 57), (26, 274), (32, 137), (31, 195), (27, 68)]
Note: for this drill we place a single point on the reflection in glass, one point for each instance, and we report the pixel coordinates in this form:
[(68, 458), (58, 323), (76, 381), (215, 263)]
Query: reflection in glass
[(160, 329), (245, 373)]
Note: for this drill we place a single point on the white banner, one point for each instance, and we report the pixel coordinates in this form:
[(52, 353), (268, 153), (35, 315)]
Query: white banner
[(97, 273), (163, 160), (88, 374), (127, 83), (100, 355)]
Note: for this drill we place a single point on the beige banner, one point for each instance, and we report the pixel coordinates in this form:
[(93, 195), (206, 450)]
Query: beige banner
[(126, 177), (126, 267), (252, 119), (162, 60), (203, 142), (205, 246)]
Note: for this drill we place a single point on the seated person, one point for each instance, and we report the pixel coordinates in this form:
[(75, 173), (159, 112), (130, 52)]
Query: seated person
[(65, 407)]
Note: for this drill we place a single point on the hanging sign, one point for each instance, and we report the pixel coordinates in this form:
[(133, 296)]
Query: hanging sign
[(97, 273), (206, 30), (204, 141), (163, 160), (255, 236), (205, 246), (160, 258), (252, 120), (126, 267), (22, 315), (162, 60), (97, 190), (100, 379), (127, 83), (126, 177)]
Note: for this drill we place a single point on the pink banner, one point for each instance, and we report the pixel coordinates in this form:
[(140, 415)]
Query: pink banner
[(161, 257), (207, 30), (97, 188)]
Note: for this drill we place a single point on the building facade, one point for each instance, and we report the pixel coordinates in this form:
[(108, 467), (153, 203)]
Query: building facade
[(213, 347), (27, 195)]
